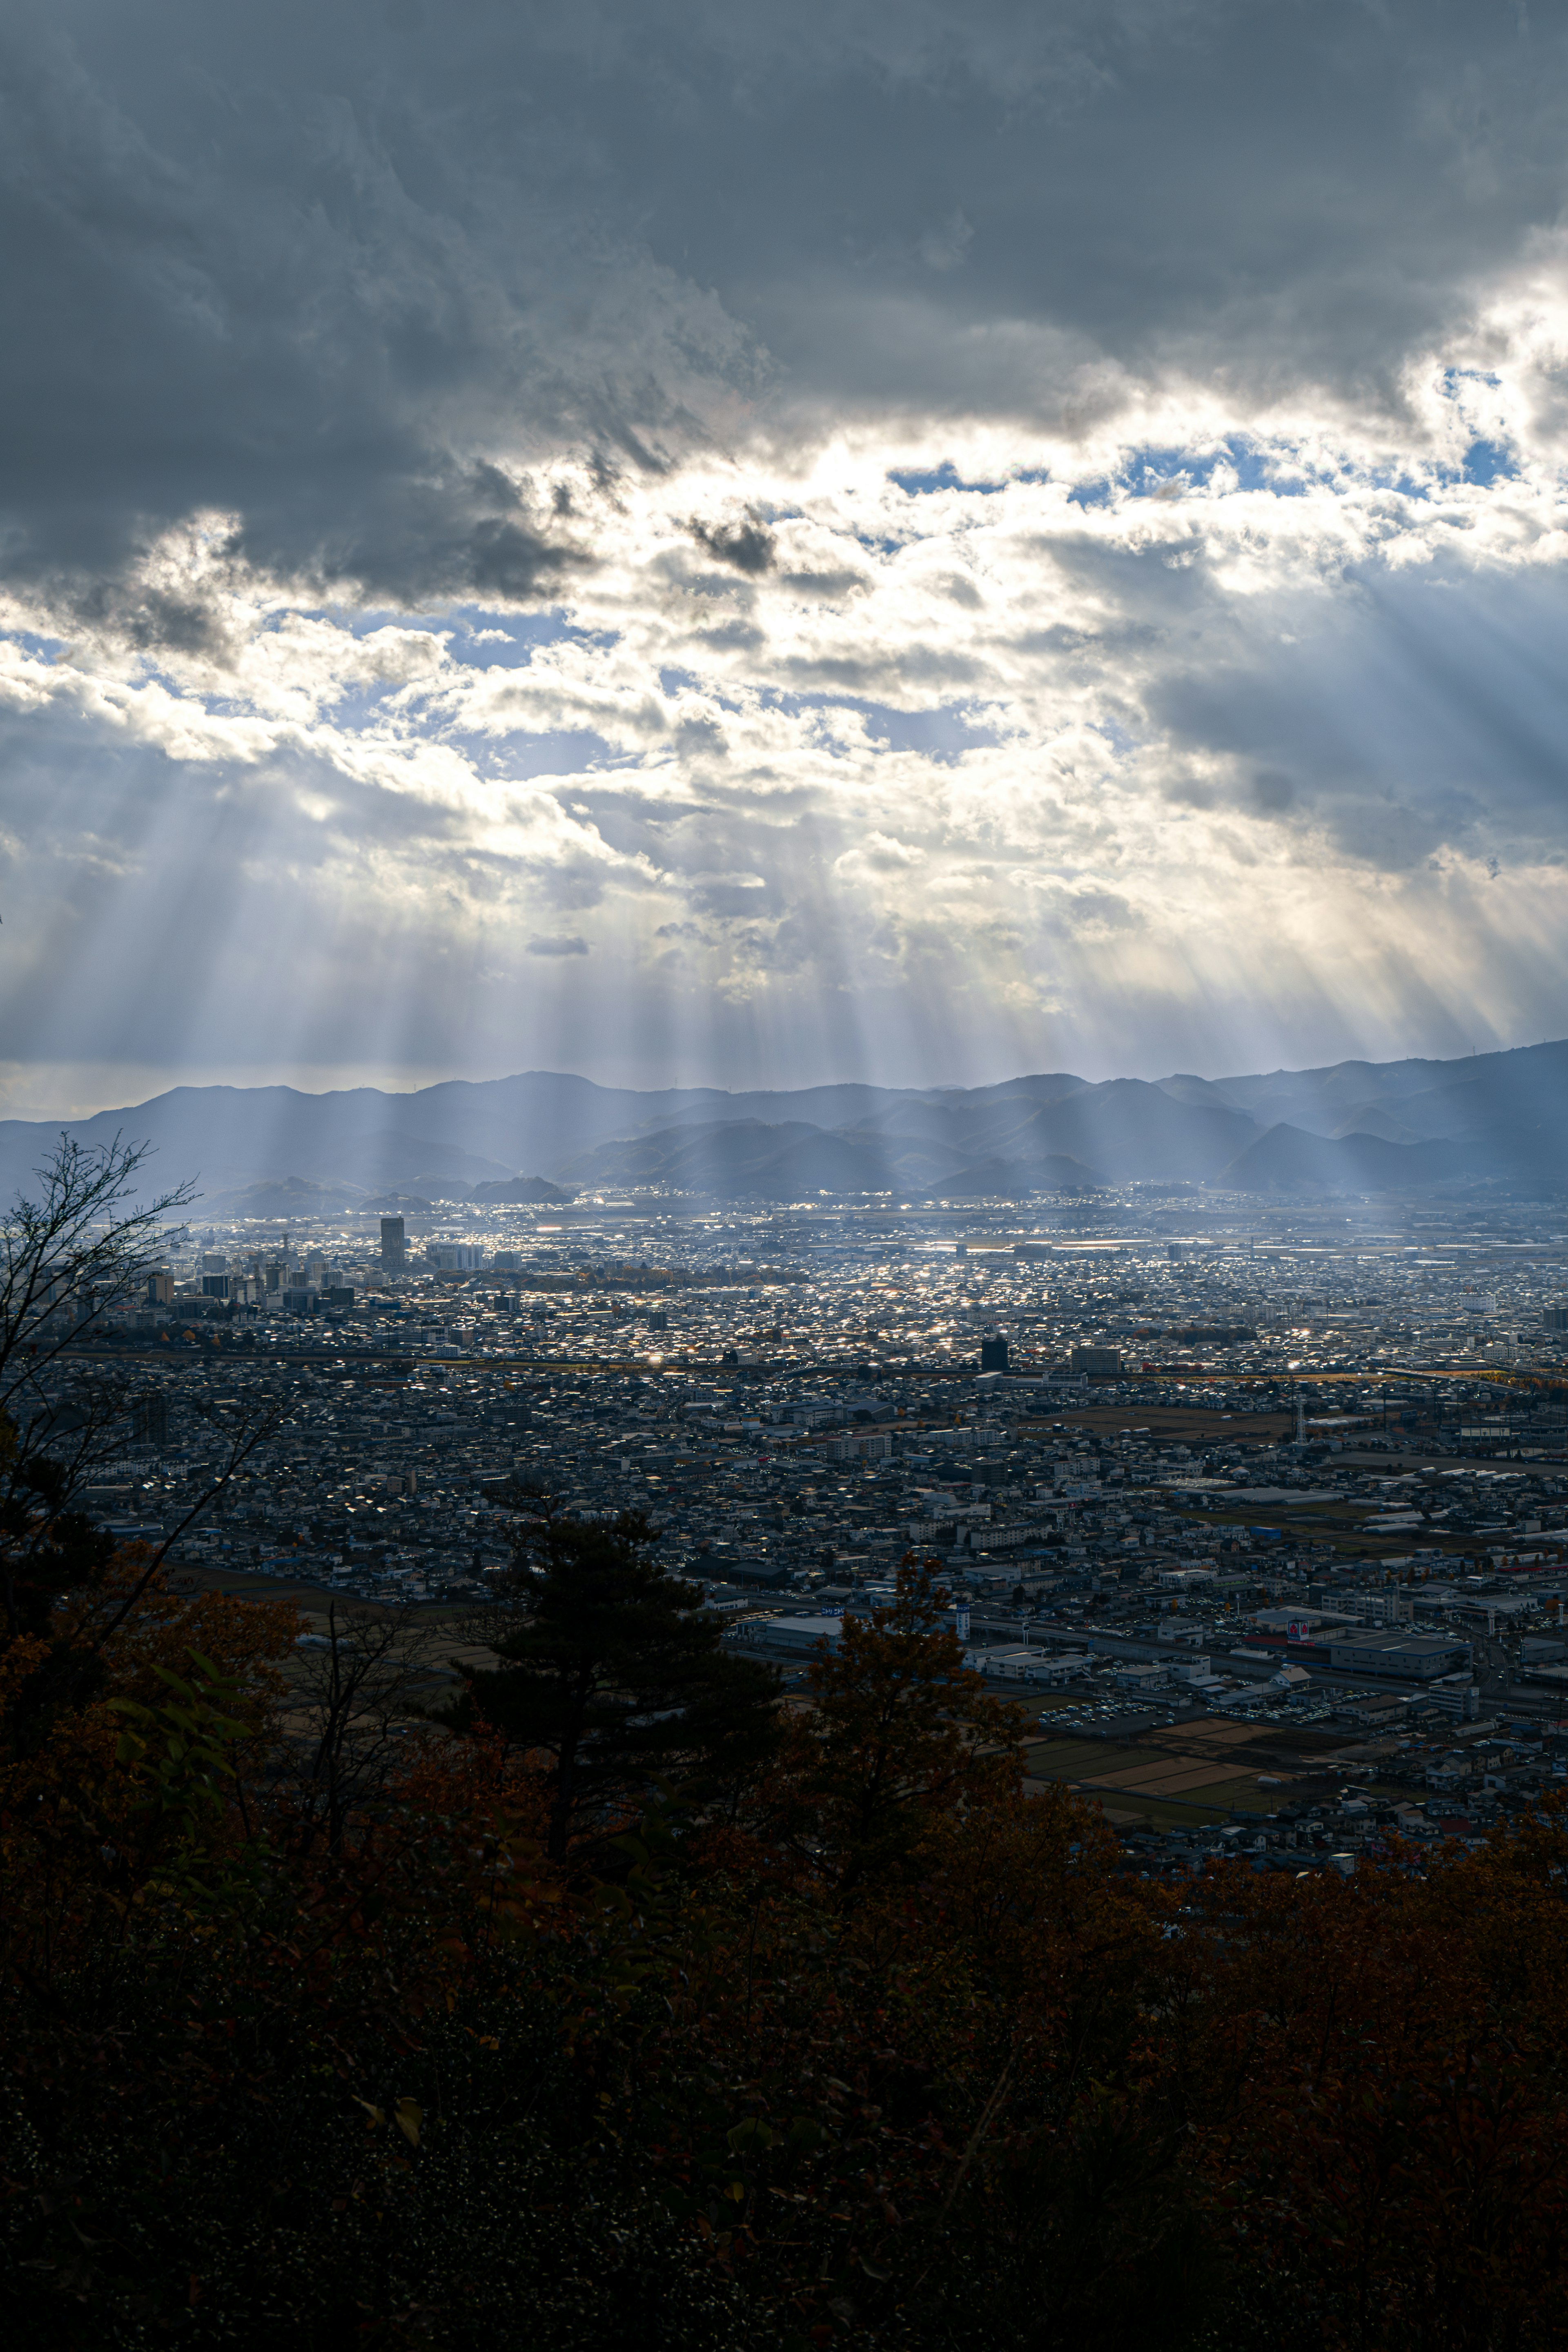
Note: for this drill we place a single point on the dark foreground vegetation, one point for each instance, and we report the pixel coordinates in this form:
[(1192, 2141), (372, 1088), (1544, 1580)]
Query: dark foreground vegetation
[(614, 2002), (845, 2040)]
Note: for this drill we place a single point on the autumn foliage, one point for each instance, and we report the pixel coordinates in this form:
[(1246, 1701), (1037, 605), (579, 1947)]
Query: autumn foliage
[(871, 2046)]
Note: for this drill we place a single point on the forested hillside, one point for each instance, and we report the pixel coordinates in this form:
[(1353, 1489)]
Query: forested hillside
[(829, 2034)]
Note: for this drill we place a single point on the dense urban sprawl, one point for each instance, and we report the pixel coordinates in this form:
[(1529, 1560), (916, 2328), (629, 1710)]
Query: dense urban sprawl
[(1210, 1485)]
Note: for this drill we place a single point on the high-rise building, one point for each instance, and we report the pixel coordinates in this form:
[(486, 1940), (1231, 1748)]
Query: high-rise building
[(994, 1355), (316, 1270), (151, 1420), (159, 1289), (393, 1244)]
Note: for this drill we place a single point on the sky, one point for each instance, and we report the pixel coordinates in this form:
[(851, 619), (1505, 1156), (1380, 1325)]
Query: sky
[(750, 544)]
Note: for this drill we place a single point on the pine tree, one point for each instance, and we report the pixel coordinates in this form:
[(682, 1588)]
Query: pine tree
[(608, 1666)]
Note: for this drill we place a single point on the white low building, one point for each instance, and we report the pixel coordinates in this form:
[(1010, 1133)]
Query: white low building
[(1070, 1667), (1013, 1666), (1139, 1675)]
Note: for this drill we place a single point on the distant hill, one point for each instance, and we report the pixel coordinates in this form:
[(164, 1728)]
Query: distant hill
[(1002, 1180), (521, 1190), (1353, 1124), (1287, 1160), (438, 1188), (280, 1198)]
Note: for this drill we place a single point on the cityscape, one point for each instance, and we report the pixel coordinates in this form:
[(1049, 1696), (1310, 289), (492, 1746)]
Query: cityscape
[(1209, 1480)]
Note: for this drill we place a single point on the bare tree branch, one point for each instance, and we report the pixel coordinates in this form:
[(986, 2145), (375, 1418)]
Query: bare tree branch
[(84, 1245), (246, 1443), (359, 1684)]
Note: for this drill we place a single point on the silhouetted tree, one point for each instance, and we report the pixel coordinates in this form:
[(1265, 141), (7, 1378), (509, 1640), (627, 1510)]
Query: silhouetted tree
[(85, 1243), (608, 1666)]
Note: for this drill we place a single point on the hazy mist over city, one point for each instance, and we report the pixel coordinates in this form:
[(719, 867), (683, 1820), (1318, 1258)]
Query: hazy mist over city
[(750, 548)]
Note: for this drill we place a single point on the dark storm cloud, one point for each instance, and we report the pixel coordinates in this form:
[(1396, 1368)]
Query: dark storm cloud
[(250, 277), (750, 546), (342, 274)]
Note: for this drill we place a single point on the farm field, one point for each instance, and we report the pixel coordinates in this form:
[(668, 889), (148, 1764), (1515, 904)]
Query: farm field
[(1184, 1772)]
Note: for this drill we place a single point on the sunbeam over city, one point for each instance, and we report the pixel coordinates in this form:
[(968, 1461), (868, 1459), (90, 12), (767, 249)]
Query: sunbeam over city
[(783, 1107)]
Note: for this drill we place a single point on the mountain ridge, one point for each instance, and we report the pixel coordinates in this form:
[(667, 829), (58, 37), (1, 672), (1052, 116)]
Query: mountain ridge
[(1354, 1125)]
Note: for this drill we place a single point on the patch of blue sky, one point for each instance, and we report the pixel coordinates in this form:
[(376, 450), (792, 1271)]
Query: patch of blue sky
[(946, 477), (1116, 735), (507, 640), (363, 703), (1486, 462), (361, 623), (519, 759), (43, 647), (1283, 486), (1259, 469), (1404, 484), (1146, 472), (494, 649), (476, 637), (942, 734)]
